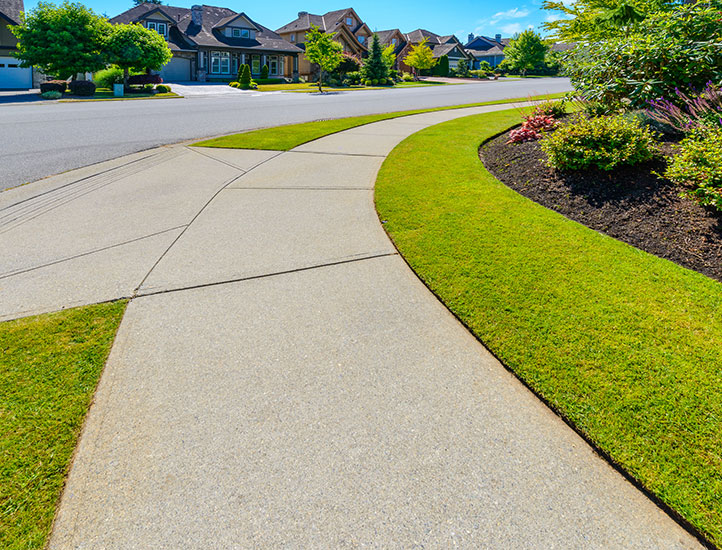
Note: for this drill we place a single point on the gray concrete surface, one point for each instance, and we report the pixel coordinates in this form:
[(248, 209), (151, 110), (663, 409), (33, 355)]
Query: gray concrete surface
[(43, 139), (282, 379)]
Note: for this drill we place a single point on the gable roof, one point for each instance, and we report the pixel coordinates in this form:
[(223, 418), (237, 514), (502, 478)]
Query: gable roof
[(185, 34), (440, 45), (328, 22), (12, 9)]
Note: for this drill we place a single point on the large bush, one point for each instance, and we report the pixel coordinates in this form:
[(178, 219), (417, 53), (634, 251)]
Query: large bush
[(82, 87), (604, 143), (698, 166), (669, 50), (142, 79), (53, 86)]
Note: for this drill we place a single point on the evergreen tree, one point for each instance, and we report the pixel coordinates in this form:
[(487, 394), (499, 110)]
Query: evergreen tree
[(245, 76), (264, 71), (374, 67)]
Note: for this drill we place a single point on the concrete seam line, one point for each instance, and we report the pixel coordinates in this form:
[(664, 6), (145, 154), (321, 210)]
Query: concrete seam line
[(264, 275), (231, 165), (226, 184), (88, 253), (301, 188), (336, 154)]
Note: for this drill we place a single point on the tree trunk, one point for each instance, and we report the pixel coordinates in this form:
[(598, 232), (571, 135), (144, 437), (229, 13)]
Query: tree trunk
[(320, 80), (125, 78)]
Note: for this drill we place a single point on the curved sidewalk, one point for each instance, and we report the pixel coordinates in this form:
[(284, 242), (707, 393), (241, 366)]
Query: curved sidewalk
[(282, 379)]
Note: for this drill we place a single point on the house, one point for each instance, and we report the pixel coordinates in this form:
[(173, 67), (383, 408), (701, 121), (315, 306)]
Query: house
[(12, 75), (345, 25), (440, 45), (396, 38), (491, 50), (211, 42)]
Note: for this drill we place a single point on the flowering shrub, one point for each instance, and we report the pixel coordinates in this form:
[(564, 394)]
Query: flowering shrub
[(699, 166), (693, 111), (604, 142), (532, 128)]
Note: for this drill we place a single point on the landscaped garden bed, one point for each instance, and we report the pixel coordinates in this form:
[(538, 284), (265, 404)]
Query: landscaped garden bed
[(631, 203)]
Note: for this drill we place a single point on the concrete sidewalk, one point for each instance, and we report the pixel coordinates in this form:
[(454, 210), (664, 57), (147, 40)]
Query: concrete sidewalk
[(282, 379)]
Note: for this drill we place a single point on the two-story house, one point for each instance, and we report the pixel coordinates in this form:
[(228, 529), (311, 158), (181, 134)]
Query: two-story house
[(12, 75), (487, 49), (440, 45), (211, 42), (395, 38), (345, 25)]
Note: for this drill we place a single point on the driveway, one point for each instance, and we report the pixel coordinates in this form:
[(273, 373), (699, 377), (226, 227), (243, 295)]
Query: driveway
[(206, 89), (281, 378)]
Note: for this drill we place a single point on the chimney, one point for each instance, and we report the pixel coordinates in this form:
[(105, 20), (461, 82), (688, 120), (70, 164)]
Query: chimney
[(498, 38), (302, 13), (470, 37), (197, 15)]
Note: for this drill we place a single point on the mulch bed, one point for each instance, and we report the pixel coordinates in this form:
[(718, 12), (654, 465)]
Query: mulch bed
[(630, 204)]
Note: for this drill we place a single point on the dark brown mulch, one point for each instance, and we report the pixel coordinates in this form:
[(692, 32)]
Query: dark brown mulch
[(630, 204)]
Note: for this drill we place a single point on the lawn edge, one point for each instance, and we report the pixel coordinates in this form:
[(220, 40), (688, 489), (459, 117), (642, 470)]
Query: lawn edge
[(599, 451)]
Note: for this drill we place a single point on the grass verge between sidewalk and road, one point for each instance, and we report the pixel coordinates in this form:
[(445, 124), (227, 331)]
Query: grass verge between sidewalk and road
[(624, 345), (49, 368), (285, 138), (305, 88), (105, 94)]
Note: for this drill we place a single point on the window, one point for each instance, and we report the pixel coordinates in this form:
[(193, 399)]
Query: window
[(293, 38), (349, 21), (220, 62), (393, 41), (256, 64), (273, 64), (235, 63), (160, 28), (245, 33), (361, 39), (236, 33)]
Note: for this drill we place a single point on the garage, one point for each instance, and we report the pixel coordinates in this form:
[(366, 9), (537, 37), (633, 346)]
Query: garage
[(177, 70), (13, 76)]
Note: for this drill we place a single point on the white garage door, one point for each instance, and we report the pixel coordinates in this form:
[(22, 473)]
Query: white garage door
[(14, 77), (177, 70)]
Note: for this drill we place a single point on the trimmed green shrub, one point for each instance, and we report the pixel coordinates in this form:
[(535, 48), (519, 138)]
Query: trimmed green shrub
[(698, 166), (148, 88), (604, 143), (52, 94), (162, 88), (82, 87), (234, 84), (407, 77), (245, 76), (442, 67), (270, 81), (354, 77), (264, 72), (108, 77), (368, 83), (53, 86)]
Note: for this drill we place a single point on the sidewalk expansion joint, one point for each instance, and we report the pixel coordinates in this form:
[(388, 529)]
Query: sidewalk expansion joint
[(229, 164), (263, 276), (300, 188), (338, 154), (88, 253)]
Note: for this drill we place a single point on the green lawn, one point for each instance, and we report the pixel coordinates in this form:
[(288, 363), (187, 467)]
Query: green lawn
[(49, 367), (304, 87), (105, 94), (625, 345), (284, 138)]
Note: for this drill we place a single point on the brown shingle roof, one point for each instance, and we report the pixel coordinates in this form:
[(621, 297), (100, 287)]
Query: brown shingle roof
[(12, 9), (328, 22)]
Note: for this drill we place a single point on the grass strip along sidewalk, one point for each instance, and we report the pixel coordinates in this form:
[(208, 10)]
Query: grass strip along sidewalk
[(624, 345), (285, 138), (49, 368)]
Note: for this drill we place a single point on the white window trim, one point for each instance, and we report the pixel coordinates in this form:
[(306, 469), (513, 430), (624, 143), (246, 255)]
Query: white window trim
[(153, 26), (245, 33), (236, 33), (224, 62)]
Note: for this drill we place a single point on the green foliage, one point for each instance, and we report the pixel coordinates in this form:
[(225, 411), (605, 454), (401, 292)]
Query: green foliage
[(679, 49), (323, 50), (484, 66), (389, 56), (604, 143), (106, 78), (462, 69), (82, 87), (698, 166), (52, 94), (133, 46), (442, 66), (374, 67), (420, 58), (53, 86), (162, 88), (555, 109), (61, 40), (244, 77), (349, 64), (407, 77), (525, 51), (264, 72)]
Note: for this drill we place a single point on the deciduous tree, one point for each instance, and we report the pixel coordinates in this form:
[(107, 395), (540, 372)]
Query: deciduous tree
[(132, 46), (525, 50), (420, 57), (324, 51)]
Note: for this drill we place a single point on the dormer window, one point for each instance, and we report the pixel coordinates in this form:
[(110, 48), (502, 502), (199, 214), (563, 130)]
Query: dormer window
[(245, 33), (393, 41), (160, 28), (349, 21), (236, 33)]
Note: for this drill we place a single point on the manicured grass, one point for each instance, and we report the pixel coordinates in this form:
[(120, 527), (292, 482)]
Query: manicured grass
[(304, 87), (49, 367), (625, 345), (105, 94), (284, 138)]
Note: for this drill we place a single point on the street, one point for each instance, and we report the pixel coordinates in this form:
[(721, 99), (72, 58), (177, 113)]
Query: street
[(42, 139)]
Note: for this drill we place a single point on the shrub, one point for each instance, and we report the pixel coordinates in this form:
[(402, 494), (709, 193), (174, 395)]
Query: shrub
[(82, 87), (667, 50), (556, 109), (698, 110), (253, 85), (479, 73), (148, 88), (349, 64), (442, 67), (162, 88), (375, 81), (368, 83), (245, 76), (532, 128), (407, 77), (270, 81), (264, 72), (108, 77), (603, 142), (234, 84), (53, 86), (698, 166), (354, 77), (143, 79), (52, 94)]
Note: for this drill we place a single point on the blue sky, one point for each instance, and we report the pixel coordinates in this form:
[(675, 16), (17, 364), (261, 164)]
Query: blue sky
[(459, 17)]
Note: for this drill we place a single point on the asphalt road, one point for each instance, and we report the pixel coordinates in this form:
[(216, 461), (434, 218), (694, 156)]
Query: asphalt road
[(42, 139)]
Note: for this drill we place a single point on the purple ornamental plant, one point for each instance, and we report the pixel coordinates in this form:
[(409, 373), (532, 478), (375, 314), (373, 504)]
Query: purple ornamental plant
[(689, 112)]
